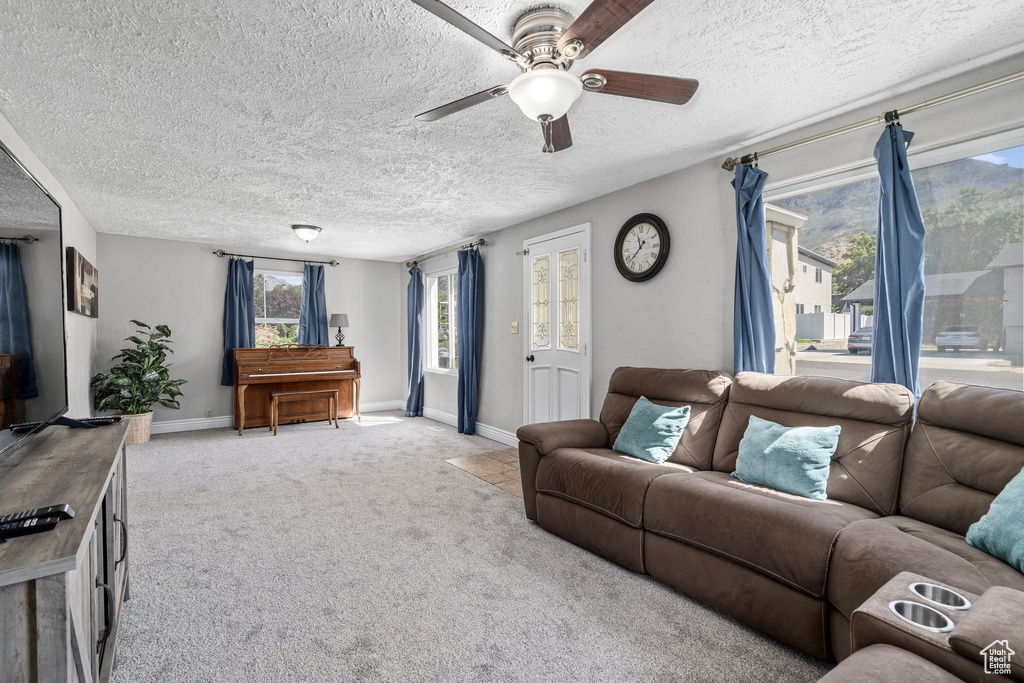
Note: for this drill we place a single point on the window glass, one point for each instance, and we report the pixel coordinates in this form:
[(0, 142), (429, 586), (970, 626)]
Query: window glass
[(277, 300), (973, 210), (541, 291), (442, 343), (568, 299)]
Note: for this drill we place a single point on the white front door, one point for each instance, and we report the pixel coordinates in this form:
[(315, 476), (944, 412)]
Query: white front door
[(556, 274)]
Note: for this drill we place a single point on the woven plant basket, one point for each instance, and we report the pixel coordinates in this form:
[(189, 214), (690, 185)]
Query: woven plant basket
[(138, 432)]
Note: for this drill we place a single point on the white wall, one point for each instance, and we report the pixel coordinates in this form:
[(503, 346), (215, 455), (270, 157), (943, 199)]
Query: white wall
[(182, 285), (683, 317), (686, 305), (808, 291), (80, 331)]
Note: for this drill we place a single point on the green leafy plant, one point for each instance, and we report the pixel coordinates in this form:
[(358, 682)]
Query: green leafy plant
[(141, 379)]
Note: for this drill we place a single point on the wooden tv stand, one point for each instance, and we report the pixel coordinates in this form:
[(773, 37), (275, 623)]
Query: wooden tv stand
[(61, 591)]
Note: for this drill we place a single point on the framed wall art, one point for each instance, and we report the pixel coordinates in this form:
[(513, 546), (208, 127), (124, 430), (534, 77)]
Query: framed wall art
[(83, 285)]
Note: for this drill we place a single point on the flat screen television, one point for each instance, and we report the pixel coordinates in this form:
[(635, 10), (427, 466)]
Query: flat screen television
[(33, 363)]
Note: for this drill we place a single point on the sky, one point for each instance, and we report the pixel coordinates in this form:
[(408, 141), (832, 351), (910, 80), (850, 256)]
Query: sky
[(1013, 157)]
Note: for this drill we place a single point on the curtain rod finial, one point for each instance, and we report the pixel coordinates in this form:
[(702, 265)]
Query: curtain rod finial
[(729, 164), (219, 253)]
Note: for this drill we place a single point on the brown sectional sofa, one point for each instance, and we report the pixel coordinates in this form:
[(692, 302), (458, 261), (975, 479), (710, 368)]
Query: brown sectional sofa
[(967, 445), (792, 567)]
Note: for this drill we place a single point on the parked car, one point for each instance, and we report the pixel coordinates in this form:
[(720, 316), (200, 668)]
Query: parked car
[(859, 341), (959, 337)]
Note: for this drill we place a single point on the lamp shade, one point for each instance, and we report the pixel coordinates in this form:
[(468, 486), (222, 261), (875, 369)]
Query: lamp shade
[(339, 319), (545, 92), (306, 232)]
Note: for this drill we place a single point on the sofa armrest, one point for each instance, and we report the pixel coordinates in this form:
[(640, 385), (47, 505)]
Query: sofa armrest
[(998, 615), (547, 436)]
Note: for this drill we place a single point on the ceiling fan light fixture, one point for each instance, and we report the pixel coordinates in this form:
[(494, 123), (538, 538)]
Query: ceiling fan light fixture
[(545, 92), (306, 232)]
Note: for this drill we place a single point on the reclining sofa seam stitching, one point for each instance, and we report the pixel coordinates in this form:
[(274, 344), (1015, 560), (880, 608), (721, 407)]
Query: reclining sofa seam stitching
[(591, 507), (860, 486), (738, 559), (924, 430), (925, 493)]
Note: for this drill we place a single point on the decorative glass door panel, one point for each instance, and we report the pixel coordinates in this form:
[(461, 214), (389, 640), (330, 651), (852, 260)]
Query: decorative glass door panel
[(541, 306), (569, 299)]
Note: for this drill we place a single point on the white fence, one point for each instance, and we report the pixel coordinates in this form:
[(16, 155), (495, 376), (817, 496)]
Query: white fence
[(823, 325)]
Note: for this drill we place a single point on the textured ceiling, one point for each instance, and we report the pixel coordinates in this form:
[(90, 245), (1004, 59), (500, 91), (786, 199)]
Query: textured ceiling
[(24, 208), (226, 121)]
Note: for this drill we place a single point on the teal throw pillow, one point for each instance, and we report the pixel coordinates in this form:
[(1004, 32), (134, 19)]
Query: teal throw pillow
[(652, 432), (1000, 532), (790, 459)]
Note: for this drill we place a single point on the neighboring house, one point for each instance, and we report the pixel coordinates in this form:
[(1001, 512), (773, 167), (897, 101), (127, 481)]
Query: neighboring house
[(813, 282), (782, 228), (1011, 262), (970, 298)]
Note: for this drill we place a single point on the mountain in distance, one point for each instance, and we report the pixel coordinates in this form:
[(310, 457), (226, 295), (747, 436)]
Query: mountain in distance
[(837, 213)]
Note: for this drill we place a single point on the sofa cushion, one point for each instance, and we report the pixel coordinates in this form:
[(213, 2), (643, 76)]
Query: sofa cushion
[(871, 552), (1000, 532), (601, 479), (967, 445), (791, 459), (874, 419), (786, 537), (705, 391), (652, 431)]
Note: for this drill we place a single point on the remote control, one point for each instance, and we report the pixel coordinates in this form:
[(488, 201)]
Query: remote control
[(33, 525), (59, 511)]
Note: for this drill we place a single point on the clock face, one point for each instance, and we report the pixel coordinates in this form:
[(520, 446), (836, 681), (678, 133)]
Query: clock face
[(641, 247)]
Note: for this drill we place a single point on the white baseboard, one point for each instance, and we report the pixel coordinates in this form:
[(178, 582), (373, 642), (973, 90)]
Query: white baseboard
[(486, 431), (381, 406), (194, 423)]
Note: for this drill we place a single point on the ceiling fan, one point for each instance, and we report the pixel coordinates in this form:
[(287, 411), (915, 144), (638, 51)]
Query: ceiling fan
[(546, 43)]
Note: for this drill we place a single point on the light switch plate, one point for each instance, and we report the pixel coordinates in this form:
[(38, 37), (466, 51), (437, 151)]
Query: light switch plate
[(515, 327)]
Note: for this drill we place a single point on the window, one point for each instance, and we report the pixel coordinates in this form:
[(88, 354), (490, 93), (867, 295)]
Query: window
[(277, 300), (805, 268), (442, 338), (973, 210), (800, 307), (817, 278), (817, 308)]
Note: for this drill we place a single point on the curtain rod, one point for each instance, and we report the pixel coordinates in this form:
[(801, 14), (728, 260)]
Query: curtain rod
[(27, 239), (220, 253), (747, 159), (479, 243)]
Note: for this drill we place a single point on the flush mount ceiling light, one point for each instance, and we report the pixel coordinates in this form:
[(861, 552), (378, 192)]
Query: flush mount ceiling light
[(545, 94), (545, 43), (306, 232)]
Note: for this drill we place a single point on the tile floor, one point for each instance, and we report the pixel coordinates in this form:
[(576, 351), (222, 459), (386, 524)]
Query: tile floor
[(498, 468)]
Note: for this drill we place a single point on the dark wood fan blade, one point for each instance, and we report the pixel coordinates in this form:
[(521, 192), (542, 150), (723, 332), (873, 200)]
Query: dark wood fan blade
[(597, 23), (463, 24), (561, 136), (464, 103), (641, 86)]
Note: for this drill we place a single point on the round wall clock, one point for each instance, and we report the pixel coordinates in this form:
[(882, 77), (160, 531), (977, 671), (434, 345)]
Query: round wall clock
[(641, 247)]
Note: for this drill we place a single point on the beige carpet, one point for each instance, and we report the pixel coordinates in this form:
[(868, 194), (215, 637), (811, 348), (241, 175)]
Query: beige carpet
[(498, 468)]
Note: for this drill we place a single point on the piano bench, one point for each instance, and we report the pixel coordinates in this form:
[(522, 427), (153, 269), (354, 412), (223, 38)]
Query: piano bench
[(304, 395)]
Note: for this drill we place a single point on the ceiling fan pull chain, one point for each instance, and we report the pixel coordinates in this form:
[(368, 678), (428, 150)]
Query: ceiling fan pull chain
[(545, 125)]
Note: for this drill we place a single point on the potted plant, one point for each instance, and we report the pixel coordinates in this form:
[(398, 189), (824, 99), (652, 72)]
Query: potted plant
[(139, 381)]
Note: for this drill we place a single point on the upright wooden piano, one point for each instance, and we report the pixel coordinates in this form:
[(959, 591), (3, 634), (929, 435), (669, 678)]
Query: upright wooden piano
[(288, 368)]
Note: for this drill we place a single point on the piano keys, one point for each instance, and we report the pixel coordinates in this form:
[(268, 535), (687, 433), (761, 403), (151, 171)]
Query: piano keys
[(288, 368)]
